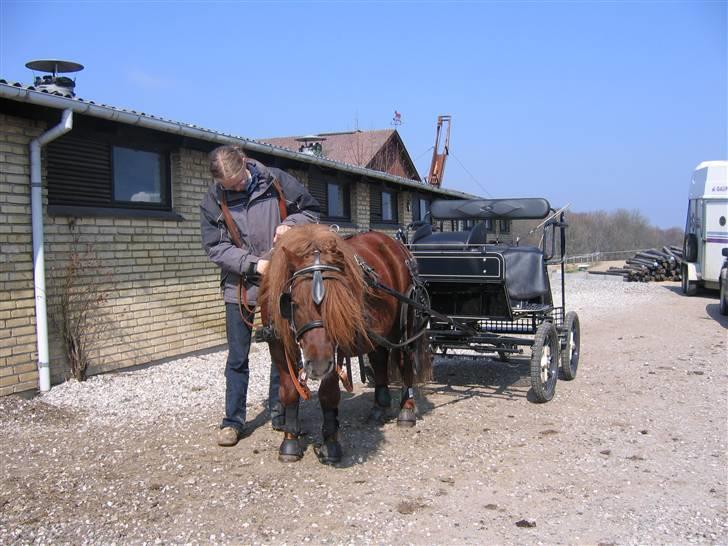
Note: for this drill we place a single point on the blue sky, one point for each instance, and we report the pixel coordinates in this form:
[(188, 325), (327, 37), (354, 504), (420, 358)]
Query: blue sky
[(603, 105)]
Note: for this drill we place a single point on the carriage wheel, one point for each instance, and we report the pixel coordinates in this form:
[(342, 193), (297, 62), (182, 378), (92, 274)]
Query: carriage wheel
[(570, 350), (545, 362)]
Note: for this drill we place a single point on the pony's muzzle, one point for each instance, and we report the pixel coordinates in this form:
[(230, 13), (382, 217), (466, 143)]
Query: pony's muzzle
[(318, 368), (318, 353)]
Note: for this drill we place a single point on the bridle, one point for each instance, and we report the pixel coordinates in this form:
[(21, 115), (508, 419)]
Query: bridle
[(286, 307), (318, 291)]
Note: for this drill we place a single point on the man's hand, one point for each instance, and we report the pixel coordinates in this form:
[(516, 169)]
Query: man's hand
[(280, 230), (262, 266)]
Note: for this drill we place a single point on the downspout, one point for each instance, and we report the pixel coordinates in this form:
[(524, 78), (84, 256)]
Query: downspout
[(36, 204)]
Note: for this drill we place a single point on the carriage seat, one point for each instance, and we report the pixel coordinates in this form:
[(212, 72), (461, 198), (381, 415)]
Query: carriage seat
[(450, 240), (526, 275)]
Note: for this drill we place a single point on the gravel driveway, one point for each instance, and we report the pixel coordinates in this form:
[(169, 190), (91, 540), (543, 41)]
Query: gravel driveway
[(632, 451)]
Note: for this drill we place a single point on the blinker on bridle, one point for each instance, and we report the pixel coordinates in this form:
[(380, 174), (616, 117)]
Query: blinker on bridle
[(318, 291)]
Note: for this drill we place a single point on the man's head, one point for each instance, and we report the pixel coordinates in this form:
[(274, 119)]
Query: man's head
[(228, 167)]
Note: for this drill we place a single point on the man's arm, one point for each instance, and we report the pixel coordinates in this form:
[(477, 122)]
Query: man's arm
[(218, 245), (301, 207)]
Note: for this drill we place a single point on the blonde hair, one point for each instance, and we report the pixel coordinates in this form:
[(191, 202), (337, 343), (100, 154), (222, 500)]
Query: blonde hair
[(227, 162)]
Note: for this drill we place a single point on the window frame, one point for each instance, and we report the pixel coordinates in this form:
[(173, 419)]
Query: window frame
[(318, 186), (376, 205), (93, 161), (165, 190), (344, 188)]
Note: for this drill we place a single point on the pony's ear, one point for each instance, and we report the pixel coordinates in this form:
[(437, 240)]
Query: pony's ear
[(294, 262)]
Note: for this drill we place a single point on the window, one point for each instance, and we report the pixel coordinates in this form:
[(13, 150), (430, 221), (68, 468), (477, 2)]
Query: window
[(337, 200), (505, 226), (95, 171), (389, 200), (332, 195), (420, 209), (383, 206), (137, 175)]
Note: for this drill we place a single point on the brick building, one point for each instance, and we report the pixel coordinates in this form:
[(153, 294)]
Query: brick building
[(130, 184)]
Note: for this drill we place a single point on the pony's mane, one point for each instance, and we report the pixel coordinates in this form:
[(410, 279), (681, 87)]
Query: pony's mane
[(342, 309)]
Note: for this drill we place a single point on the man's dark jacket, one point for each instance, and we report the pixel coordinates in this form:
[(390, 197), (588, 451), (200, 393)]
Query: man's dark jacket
[(256, 215)]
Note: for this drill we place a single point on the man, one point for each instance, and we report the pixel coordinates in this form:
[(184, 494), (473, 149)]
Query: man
[(244, 211)]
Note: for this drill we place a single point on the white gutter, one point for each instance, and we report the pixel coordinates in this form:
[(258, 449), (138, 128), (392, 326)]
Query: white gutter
[(142, 120), (36, 203)]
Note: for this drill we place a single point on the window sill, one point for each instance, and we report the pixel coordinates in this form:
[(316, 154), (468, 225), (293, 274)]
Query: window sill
[(99, 212)]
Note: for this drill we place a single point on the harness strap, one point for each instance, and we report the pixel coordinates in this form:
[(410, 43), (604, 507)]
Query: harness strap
[(344, 373), (281, 199), (301, 387)]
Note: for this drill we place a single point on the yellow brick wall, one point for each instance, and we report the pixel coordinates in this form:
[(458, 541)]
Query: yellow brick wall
[(18, 371), (164, 301)]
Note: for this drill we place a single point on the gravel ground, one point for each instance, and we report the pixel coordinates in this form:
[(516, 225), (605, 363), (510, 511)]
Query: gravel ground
[(632, 451)]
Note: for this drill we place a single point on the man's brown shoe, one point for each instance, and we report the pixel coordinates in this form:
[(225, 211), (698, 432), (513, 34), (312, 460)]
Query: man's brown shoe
[(228, 436)]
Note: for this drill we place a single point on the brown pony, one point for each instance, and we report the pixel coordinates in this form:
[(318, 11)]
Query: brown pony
[(316, 297)]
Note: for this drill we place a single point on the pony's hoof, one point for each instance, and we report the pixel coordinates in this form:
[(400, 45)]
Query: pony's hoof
[(329, 452), (377, 416), (406, 418), (290, 451)]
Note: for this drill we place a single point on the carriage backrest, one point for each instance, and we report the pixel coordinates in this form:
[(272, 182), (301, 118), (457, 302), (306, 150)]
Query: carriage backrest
[(532, 208), (526, 275)]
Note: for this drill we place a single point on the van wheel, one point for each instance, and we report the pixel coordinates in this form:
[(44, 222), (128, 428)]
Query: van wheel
[(723, 299), (689, 288)]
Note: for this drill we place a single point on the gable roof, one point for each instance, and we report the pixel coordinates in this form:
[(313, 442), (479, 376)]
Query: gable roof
[(353, 147)]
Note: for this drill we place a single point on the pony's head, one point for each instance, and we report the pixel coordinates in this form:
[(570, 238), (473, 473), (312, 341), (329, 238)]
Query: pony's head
[(314, 291)]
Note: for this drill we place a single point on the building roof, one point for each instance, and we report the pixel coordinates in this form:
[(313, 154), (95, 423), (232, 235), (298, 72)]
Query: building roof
[(28, 94), (353, 147)]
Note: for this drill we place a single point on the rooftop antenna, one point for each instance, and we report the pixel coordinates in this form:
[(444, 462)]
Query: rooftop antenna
[(52, 82)]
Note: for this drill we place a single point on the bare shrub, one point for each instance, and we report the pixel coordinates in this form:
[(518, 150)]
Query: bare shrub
[(79, 289)]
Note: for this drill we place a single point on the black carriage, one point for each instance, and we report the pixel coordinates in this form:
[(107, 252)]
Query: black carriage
[(494, 297)]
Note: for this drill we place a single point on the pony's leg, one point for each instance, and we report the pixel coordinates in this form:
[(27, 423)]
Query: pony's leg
[(289, 450), (329, 397), (407, 416), (382, 399)]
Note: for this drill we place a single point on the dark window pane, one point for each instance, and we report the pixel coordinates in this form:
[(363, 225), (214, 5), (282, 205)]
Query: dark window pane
[(424, 209), (386, 206), (335, 195), (137, 176)]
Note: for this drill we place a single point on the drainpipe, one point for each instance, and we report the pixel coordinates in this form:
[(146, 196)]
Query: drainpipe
[(36, 204)]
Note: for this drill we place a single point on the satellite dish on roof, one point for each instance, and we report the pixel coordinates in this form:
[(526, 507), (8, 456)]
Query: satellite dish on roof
[(52, 82)]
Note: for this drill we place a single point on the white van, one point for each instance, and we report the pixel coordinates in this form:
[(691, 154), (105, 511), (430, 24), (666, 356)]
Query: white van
[(706, 232)]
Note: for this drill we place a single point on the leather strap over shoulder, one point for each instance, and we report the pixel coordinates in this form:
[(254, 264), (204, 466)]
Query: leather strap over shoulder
[(281, 199), (229, 223)]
